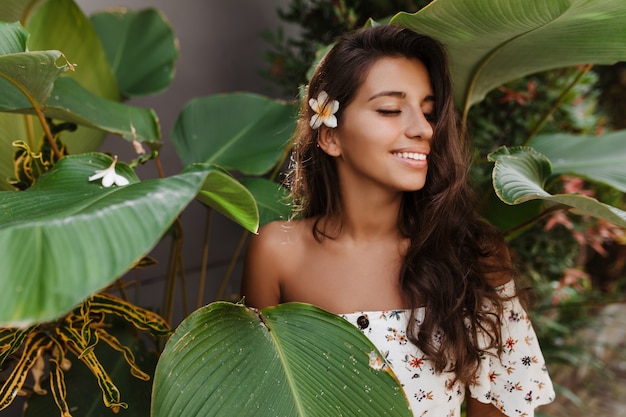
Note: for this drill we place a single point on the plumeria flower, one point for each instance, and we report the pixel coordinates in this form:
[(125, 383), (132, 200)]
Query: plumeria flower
[(109, 177), (324, 111)]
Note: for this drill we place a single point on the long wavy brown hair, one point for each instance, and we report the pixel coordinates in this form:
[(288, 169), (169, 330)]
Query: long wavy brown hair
[(453, 255)]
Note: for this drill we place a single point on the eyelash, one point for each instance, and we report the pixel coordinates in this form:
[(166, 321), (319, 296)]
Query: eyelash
[(431, 117), (388, 112)]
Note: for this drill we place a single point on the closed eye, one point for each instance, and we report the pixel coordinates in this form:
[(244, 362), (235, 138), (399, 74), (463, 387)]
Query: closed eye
[(385, 112)]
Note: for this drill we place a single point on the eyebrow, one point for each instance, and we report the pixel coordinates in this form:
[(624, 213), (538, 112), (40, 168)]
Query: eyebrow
[(388, 93), (399, 94)]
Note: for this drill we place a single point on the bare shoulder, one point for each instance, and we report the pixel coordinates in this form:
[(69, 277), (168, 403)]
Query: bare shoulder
[(280, 238), (272, 254)]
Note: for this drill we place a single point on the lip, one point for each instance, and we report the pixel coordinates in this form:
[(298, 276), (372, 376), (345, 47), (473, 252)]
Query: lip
[(413, 149)]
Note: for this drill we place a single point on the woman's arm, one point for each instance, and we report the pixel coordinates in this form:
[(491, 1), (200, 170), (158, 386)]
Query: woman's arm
[(477, 409)]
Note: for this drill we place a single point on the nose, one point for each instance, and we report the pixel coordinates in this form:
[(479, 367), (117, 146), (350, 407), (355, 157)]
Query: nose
[(419, 127)]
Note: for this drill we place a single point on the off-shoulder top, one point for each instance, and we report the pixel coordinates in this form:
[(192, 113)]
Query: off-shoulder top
[(516, 383)]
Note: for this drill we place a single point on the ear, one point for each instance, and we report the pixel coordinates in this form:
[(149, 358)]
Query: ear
[(328, 140)]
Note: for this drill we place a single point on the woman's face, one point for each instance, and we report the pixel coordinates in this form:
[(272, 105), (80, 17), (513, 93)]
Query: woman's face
[(383, 138)]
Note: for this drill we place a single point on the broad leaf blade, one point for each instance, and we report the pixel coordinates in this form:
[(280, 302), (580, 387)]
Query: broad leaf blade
[(12, 38), (597, 158), (141, 48), (293, 360), (65, 238), (14, 10), (60, 24), (225, 194), (520, 173), (71, 102), (491, 42), (271, 198), (243, 132), (24, 76)]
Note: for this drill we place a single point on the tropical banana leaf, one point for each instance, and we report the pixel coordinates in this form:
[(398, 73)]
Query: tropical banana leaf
[(73, 103), (272, 199), (66, 238), (491, 42), (243, 132), (289, 360), (61, 25), (596, 158), (521, 173), (26, 78), (17, 10), (141, 48), (91, 101), (228, 196)]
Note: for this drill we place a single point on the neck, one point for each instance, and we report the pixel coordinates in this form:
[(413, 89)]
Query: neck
[(370, 216)]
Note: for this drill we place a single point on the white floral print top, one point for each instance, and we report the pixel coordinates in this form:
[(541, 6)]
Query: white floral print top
[(516, 383)]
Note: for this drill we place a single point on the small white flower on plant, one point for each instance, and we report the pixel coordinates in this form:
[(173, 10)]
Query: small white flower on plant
[(109, 177), (324, 111)]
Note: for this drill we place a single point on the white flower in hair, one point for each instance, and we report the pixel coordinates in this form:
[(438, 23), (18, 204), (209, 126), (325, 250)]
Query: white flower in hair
[(324, 111)]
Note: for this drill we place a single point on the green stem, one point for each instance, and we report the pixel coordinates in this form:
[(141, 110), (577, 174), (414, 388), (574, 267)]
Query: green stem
[(159, 166), (173, 264), (231, 265), (205, 259), (183, 283), (30, 130), (557, 104)]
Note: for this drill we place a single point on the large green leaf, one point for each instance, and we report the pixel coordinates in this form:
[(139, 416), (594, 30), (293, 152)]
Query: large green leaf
[(597, 158), (243, 132), (520, 174), (71, 102), (289, 360), (65, 237), (225, 194), (491, 42), (272, 199), (17, 10), (141, 48), (12, 38), (23, 76), (26, 78), (60, 24)]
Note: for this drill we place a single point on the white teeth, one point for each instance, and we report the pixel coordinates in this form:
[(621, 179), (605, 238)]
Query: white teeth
[(411, 155)]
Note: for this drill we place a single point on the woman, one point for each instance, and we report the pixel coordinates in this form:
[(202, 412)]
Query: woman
[(386, 233)]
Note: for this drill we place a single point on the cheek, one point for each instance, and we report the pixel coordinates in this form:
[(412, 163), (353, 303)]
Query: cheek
[(366, 127)]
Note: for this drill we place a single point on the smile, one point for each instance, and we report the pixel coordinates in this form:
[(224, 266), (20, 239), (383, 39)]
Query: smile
[(411, 155)]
